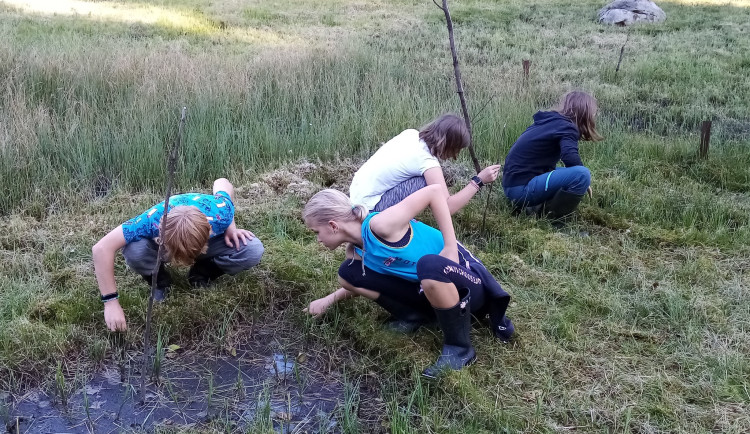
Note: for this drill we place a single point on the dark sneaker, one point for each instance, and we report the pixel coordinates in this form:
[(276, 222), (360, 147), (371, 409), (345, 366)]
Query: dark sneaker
[(160, 294), (396, 325), (203, 273)]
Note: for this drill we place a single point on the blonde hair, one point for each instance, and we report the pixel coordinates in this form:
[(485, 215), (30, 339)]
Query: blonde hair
[(580, 107), (446, 136), (330, 204), (185, 233)]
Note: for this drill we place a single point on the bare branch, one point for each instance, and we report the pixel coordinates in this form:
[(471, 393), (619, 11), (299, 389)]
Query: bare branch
[(459, 84), (622, 51), (171, 163)]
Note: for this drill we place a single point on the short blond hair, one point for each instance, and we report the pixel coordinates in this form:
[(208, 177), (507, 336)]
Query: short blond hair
[(185, 234)]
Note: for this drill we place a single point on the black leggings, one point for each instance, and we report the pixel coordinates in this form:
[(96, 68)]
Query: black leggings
[(433, 267), (405, 291)]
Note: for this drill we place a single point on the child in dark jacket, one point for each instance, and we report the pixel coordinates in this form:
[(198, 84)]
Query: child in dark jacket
[(531, 179)]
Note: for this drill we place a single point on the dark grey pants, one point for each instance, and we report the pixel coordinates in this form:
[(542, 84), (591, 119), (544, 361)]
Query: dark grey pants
[(141, 255), (400, 192)]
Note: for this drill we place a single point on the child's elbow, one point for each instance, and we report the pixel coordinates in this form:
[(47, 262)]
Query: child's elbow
[(96, 249)]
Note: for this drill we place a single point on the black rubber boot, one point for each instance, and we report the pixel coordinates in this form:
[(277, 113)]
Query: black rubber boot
[(164, 282), (203, 272), (516, 208), (455, 323), (404, 319), (533, 211), (562, 205)]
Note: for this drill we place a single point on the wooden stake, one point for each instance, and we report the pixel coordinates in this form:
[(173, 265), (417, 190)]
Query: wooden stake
[(171, 162), (705, 139), (622, 52), (526, 67), (459, 84)]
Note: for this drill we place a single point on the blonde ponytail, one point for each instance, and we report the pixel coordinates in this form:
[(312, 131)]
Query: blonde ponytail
[(330, 204)]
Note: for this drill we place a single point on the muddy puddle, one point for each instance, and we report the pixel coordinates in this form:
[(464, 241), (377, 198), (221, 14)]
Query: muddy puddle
[(273, 389)]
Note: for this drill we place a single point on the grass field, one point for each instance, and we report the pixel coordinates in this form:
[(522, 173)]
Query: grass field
[(642, 326)]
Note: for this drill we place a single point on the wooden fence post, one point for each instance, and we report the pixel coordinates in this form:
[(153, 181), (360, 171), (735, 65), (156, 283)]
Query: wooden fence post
[(705, 139), (526, 66)]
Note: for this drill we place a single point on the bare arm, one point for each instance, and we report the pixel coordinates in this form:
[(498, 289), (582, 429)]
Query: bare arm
[(317, 307), (232, 235), (103, 254), (393, 223), (459, 200), (223, 184)]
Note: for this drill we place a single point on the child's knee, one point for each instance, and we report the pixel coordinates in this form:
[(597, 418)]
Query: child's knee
[(140, 257), (252, 253), (430, 266), (583, 176), (247, 257)]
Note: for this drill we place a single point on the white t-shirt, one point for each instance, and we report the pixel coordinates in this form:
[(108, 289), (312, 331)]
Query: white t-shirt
[(403, 157)]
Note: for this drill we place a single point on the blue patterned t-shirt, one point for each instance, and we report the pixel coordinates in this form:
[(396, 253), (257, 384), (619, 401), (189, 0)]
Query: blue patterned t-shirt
[(218, 208)]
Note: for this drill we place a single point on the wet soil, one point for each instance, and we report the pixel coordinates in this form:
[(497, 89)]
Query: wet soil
[(267, 385)]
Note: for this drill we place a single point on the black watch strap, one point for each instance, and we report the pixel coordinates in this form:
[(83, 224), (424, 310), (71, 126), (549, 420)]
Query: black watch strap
[(477, 180), (108, 297)]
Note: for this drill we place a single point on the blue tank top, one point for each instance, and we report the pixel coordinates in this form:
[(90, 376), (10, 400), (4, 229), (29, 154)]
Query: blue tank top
[(400, 261)]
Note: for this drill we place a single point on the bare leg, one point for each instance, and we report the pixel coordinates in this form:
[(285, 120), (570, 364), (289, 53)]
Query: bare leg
[(441, 295)]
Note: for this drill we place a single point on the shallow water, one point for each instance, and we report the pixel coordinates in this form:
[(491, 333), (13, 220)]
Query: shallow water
[(274, 390)]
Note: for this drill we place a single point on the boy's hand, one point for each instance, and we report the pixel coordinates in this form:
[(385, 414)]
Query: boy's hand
[(114, 316), (232, 236)]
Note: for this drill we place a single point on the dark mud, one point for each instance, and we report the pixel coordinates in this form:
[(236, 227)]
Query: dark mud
[(262, 387)]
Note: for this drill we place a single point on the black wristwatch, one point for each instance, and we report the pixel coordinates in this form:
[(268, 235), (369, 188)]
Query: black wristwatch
[(478, 181)]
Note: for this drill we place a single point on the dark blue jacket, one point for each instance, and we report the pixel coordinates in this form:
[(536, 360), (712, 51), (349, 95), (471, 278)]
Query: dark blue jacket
[(551, 138)]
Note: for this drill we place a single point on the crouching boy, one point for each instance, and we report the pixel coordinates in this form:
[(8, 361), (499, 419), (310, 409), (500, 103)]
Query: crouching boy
[(200, 232)]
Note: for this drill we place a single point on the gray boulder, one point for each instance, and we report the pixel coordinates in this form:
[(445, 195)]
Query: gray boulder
[(627, 12)]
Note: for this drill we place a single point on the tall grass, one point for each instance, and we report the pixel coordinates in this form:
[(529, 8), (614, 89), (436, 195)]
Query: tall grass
[(639, 325), (86, 104)]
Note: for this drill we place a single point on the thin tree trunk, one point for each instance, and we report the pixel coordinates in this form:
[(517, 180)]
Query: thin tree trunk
[(171, 162), (459, 83)]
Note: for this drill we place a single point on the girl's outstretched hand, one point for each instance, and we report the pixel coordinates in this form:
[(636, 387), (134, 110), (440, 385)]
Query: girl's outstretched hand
[(489, 174), (318, 307)]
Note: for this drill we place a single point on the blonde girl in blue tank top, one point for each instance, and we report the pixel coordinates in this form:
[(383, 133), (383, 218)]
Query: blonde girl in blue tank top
[(412, 270)]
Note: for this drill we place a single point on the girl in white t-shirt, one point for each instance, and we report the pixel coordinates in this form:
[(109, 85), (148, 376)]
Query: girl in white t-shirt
[(411, 160)]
